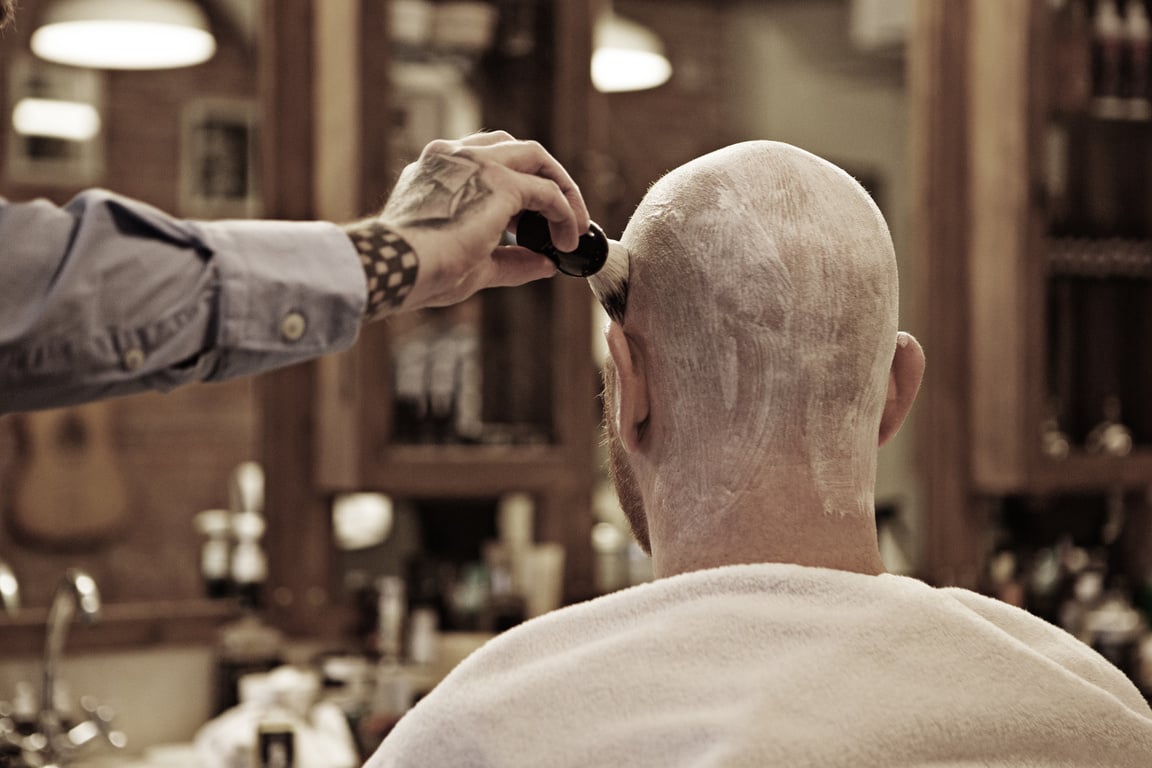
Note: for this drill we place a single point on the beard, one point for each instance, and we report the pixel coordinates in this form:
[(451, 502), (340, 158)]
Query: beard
[(7, 12), (619, 468)]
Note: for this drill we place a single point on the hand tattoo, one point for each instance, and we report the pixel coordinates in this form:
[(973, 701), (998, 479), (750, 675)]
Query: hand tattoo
[(390, 265), (442, 190)]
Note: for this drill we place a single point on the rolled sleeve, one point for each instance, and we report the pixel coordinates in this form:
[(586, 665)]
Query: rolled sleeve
[(108, 296), (282, 295)]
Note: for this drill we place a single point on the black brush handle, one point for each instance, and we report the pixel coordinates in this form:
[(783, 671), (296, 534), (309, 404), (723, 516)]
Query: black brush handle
[(588, 258)]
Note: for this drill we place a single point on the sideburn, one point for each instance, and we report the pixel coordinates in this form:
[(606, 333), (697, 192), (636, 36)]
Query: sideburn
[(619, 468)]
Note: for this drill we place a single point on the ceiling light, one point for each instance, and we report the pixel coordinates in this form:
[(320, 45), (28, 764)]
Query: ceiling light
[(56, 119), (124, 34), (627, 56)]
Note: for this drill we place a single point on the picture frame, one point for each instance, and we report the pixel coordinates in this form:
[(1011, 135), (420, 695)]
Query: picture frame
[(429, 100), (219, 159), (46, 104)]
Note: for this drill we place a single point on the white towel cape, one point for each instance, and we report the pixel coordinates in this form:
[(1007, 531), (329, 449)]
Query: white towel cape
[(780, 665)]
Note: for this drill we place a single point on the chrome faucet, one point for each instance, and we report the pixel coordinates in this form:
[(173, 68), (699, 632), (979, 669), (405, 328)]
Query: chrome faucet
[(9, 590), (56, 740), (76, 592)]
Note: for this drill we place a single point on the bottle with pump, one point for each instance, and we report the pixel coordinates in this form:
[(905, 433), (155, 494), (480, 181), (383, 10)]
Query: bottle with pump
[(1138, 44), (215, 526), (392, 696), (1108, 57)]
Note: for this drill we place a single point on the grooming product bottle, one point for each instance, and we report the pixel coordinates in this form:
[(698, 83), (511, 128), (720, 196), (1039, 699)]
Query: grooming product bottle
[(249, 567), (392, 692), (1138, 42), (1108, 45), (1072, 50), (275, 744), (215, 525)]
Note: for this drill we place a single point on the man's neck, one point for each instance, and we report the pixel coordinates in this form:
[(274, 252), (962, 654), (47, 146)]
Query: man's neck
[(766, 533)]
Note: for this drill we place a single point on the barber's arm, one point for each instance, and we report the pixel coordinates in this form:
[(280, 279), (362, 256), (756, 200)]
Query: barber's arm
[(108, 296)]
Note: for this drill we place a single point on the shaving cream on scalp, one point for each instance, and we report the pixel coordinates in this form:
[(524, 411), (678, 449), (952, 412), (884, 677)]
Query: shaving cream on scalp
[(763, 287)]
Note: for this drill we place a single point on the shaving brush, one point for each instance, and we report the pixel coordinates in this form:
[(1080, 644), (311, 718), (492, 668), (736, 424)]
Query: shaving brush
[(602, 261)]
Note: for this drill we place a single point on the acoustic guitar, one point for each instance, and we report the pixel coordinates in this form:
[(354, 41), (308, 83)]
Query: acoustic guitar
[(68, 492)]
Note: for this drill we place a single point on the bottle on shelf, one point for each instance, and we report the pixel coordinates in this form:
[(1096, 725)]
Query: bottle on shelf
[(1110, 437), (1114, 628), (25, 709), (1056, 179), (1087, 594), (215, 526), (392, 692), (249, 566), (1108, 42), (244, 647), (1071, 48), (275, 742), (1137, 45), (249, 563)]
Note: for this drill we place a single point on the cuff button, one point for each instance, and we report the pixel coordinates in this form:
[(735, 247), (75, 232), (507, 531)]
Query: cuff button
[(132, 359), (292, 326)]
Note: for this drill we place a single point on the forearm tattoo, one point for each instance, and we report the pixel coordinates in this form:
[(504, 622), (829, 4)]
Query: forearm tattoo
[(441, 189), (390, 265)]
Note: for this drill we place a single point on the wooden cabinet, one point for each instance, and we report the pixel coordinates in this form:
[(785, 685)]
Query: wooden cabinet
[(1060, 252), (1036, 231), (343, 424)]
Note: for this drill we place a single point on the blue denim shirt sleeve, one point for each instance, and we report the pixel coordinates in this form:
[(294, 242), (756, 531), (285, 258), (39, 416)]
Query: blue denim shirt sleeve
[(108, 296)]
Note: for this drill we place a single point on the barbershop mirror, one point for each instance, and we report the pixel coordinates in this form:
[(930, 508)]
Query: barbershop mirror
[(185, 141), (115, 487)]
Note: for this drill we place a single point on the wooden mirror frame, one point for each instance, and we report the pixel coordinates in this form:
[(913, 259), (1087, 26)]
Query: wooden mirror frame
[(286, 59)]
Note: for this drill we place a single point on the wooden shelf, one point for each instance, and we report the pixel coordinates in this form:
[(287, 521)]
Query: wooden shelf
[(460, 470), (1081, 472), (1099, 257), (1002, 295), (329, 427), (135, 625), (1135, 119)]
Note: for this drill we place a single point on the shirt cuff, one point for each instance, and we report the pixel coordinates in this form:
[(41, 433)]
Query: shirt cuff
[(290, 290)]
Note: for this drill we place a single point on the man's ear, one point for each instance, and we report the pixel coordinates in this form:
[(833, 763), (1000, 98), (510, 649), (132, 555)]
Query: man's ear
[(631, 397), (903, 384)]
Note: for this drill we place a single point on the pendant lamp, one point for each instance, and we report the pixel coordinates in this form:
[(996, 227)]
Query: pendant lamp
[(124, 34), (626, 56)]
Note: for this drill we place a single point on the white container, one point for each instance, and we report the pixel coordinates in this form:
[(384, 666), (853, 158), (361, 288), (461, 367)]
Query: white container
[(466, 26)]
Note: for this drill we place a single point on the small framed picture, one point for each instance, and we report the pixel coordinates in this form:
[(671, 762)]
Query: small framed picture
[(429, 100), (55, 136), (219, 160)]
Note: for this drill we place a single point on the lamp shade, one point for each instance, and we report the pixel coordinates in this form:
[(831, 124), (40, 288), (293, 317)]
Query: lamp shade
[(627, 56), (124, 34), (56, 119)]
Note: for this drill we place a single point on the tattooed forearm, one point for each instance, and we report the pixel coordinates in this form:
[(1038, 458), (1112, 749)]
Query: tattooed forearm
[(390, 265), (442, 188)]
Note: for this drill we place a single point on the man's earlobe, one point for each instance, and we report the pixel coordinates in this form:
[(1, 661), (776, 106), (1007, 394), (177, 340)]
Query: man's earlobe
[(631, 396), (903, 384)]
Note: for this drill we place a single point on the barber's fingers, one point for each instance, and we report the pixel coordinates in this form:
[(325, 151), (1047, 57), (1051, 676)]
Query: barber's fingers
[(513, 265), (530, 157), (472, 141), (535, 193), (499, 149), (485, 139)]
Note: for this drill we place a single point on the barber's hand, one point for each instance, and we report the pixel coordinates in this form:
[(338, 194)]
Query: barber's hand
[(455, 202)]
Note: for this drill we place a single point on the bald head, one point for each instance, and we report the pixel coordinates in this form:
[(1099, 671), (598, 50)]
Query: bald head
[(763, 301)]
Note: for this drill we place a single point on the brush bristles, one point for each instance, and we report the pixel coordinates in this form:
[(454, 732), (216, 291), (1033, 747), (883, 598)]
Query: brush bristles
[(610, 284)]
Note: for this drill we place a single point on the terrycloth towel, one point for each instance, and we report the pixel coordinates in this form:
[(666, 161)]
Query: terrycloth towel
[(780, 665)]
